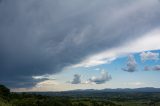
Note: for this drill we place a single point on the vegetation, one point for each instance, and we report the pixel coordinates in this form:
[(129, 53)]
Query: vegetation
[(102, 99), (4, 91)]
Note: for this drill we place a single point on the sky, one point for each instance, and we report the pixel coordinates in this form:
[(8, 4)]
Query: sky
[(59, 45)]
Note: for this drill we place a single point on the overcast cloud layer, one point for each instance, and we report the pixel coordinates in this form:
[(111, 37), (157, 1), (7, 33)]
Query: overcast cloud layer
[(40, 37)]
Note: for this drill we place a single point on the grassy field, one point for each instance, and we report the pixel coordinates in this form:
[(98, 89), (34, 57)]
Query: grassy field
[(30, 100), (4, 103)]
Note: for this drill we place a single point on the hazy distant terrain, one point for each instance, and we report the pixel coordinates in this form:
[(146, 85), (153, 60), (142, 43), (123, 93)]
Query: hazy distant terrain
[(106, 97), (91, 92)]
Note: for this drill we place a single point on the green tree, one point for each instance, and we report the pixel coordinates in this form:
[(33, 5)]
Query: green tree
[(4, 91)]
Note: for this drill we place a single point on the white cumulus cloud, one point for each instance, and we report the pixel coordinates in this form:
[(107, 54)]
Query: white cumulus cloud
[(149, 56), (76, 79), (154, 68), (101, 79), (131, 64)]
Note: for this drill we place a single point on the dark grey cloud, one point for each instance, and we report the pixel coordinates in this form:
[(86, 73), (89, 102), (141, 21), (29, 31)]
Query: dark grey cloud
[(42, 37), (76, 79), (102, 79), (131, 65)]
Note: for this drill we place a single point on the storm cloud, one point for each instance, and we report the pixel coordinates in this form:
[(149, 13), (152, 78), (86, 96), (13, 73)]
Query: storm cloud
[(39, 37)]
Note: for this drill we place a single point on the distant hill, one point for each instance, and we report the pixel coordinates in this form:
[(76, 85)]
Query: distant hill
[(145, 89), (93, 92)]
